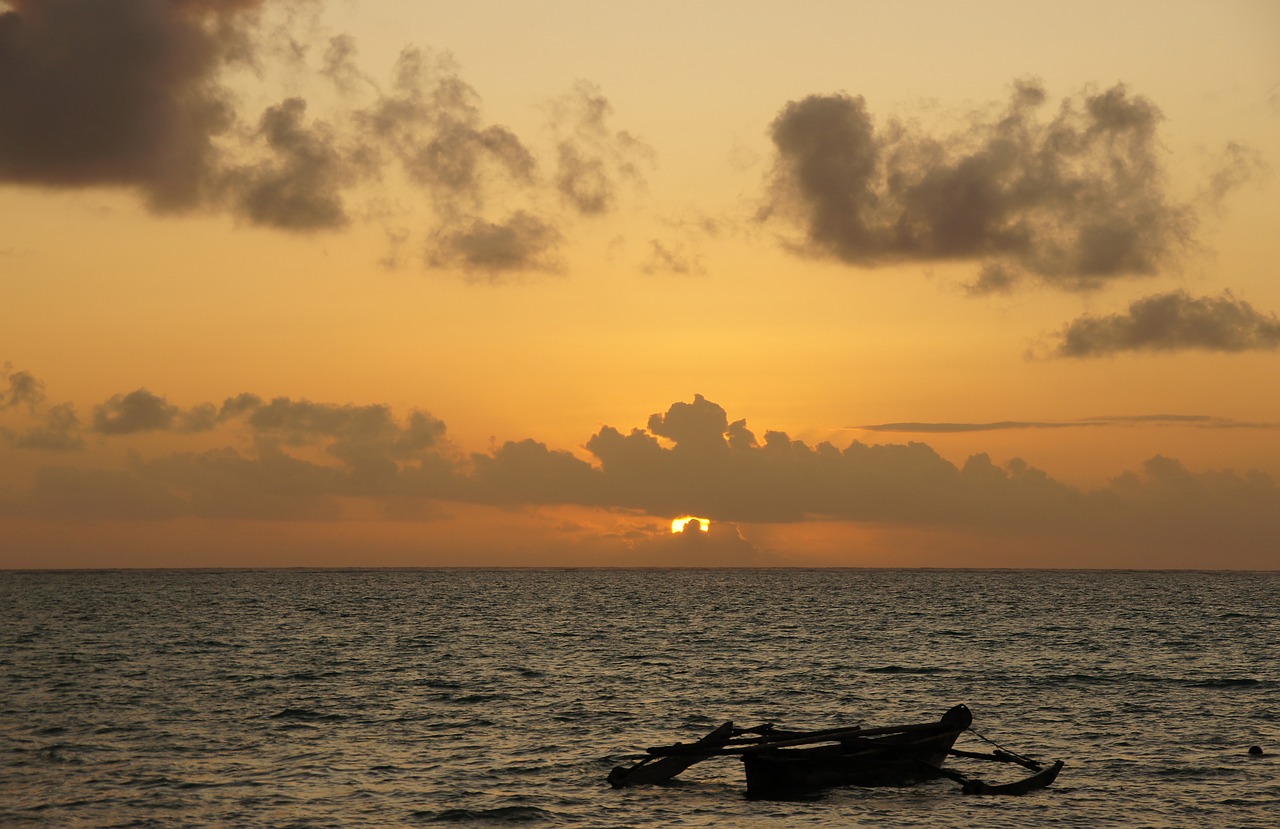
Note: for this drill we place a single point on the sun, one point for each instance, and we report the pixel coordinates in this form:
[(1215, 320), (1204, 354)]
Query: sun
[(678, 525)]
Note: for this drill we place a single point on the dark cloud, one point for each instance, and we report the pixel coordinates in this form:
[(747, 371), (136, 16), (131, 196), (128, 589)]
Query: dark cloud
[(694, 427), (116, 93), (99, 494), (523, 242), (1074, 201), (1173, 322), (55, 428), (308, 460), (239, 405), (505, 475), (376, 456), (723, 545), (718, 469), (360, 436), (300, 185), (1199, 421), (131, 93), (1235, 166), (430, 122), (592, 160), (1168, 508), (202, 418), (666, 257), (58, 430), (945, 428), (339, 64), (222, 483), (24, 390), (137, 411)]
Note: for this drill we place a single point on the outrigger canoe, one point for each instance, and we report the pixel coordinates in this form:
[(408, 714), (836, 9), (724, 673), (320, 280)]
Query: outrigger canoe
[(781, 763)]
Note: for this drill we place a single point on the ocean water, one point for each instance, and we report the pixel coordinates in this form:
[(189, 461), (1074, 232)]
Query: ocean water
[(408, 698)]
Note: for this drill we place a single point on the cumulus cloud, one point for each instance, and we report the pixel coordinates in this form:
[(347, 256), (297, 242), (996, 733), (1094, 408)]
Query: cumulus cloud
[(1173, 322), (527, 471), (24, 389), (50, 428), (308, 460), (137, 411), (300, 185), (1074, 201), (522, 242), (354, 434), (372, 454), (723, 545)]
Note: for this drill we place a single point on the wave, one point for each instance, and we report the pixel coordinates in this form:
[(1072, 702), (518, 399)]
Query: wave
[(305, 714), (502, 814), (902, 669)]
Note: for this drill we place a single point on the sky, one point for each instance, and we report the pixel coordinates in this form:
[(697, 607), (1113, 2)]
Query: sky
[(294, 283)]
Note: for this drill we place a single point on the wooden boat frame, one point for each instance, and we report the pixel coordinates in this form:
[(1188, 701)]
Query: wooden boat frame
[(781, 763)]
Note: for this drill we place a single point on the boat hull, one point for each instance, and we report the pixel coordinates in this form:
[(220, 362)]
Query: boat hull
[(891, 760)]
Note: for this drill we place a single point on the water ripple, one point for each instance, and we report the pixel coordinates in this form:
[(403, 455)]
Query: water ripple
[(376, 699)]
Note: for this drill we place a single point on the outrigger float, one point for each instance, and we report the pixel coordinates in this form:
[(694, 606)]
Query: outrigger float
[(781, 763)]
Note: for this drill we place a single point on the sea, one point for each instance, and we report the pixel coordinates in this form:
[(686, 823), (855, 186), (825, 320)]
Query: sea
[(491, 698)]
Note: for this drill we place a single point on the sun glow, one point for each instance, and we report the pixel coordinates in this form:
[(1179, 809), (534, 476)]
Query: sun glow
[(678, 525)]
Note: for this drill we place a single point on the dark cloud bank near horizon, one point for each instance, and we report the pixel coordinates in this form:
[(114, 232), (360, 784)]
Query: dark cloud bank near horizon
[(303, 458), (1197, 421)]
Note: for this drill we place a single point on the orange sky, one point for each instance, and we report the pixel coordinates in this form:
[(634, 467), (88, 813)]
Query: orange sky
[(336, 284)]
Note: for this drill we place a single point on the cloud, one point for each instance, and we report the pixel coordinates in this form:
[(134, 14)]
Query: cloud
[(97, 494), (55, 428), (120, 93), (591, 159), (666, 257), (372, 449), (339, 64), (24, 389), (1173, 322), (723, 545), (300, 186), (1199, 421), (522, 242), (57, 431), (430, 122), (309, 461), (137, 411), (1075, 201), (133, 94), (222, 483), (679, 252), (505, 475), (354, 434), (1235, 166)]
